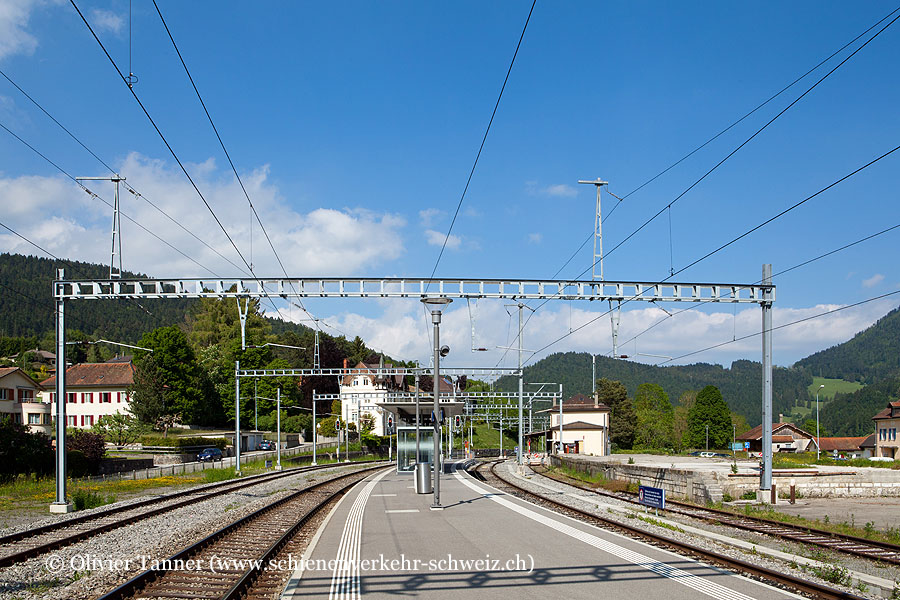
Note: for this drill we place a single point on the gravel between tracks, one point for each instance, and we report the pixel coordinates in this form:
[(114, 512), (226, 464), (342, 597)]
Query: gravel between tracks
[(587, 501), (152, 539)]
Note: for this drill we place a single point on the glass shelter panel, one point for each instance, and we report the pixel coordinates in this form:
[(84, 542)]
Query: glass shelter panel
[(406, 447)]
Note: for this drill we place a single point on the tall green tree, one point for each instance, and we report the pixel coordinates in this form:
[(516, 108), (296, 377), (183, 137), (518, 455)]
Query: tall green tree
[(709, 410), (175, 364), (655, 417), (622, 417)]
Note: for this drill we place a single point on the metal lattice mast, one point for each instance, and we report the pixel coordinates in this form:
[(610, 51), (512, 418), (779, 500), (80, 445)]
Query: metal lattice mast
[(317, 364), (115, 272)]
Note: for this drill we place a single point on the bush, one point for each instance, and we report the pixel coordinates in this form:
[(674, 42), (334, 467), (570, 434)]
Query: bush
[(83, 499), (22, 452), (92, 448), (183, 442)]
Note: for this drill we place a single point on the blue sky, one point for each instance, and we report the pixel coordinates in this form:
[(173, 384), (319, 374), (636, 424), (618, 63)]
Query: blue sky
[(354, 126)]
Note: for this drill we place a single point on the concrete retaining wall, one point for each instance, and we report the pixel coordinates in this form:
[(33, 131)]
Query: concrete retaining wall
[(696, 486), (711, 486)]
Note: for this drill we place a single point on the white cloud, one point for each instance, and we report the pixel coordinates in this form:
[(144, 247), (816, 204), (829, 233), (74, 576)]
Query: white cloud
[(324, 241), (429, 216), (14, 36), (402, 331), (873, 280), (535, 238), (436, 238), (107, 20), (560, 190)]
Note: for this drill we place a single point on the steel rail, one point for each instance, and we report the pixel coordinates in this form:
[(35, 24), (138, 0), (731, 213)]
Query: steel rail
[(139, 582), (191, 498), (803, 585), (840, 542)]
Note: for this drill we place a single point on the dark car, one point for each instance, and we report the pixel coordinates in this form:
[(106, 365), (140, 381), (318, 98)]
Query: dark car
[(266, 445), (209, 455)]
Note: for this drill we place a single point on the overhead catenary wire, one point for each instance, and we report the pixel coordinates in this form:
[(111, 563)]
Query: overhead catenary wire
[(127, 186), (228, 156), (753, 136), (483, 140), (101, 199), (696, 182), (784, 325), (725, 245), (774, 275), (172, 152)]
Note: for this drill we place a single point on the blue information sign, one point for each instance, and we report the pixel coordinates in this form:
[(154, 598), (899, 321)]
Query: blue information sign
[(651, 496), (746, 445)]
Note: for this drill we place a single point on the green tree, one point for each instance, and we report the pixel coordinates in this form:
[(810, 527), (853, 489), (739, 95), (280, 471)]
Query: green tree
[(810, 427), (622, 417), (148, 394), (655, 417), (119, 429), (680, 418), (176, 366), (709, 410)]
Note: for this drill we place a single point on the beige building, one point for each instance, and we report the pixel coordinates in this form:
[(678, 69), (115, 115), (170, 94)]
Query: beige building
[(20, 400), (886, 424), (786, 437), (585, 427), (93, 390)]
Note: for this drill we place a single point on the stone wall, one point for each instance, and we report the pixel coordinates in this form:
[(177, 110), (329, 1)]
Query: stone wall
[(696, 486), (860, 482)]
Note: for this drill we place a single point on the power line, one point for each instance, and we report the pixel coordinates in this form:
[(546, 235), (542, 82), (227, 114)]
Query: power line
[(483, 140), (668, 206), (782, 272), (101, 199), (772, 97), (749, 139), (750, 335), (171, 151), (129, 187), (225, 150), (723, 246)]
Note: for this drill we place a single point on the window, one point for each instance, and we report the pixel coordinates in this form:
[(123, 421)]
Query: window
[(26, 395), (87, 397), (893, 434), (105, 397), (4, 394), (73, 420), (34, 418), (91, 420), (881, 435), (71, 397), (365, 382), (355, 382)]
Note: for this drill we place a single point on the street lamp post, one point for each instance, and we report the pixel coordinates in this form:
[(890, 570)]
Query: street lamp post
[(707, 437), (315, 428), (818, 448), (437, 304)]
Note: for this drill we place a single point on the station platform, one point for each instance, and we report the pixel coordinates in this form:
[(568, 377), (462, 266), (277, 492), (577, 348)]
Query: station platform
[(383, 540)]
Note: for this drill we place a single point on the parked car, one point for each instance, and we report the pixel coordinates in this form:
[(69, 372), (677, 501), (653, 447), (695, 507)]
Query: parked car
[(209, 455), (266, 445)]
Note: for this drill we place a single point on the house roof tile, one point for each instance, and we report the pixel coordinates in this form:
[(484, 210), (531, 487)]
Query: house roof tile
[(96, 375)]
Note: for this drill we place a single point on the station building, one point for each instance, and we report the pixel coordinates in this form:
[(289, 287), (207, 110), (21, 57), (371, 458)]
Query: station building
[(886, 424), (585, 427)]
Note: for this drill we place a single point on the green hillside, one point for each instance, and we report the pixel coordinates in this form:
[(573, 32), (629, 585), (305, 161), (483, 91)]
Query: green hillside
[(870, 356), (741, 385), (832, 387), (851, 414)]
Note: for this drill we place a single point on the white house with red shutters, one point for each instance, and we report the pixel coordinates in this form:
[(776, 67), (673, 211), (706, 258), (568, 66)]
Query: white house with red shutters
[(94, 390), (20, 400)]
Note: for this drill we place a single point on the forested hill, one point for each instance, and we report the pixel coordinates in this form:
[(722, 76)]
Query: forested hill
[(27, 309), (851, 414), (741, 385), (870, 356)]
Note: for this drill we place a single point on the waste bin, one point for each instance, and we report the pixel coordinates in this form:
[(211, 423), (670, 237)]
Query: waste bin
[(423, 478)]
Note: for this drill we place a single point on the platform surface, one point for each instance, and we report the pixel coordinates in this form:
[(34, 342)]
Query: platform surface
[(383, 540)]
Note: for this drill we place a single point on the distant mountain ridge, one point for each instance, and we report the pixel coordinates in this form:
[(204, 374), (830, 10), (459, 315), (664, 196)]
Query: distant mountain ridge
[(872, 355), (741, 385)]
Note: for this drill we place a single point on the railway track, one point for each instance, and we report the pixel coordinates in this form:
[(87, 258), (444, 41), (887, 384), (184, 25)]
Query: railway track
[(233, 562), (782, 579), (23, 545), (857, 546)]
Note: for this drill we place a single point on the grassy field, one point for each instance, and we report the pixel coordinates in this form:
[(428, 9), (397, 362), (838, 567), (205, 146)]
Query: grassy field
[(832, 386), (27, 493)]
